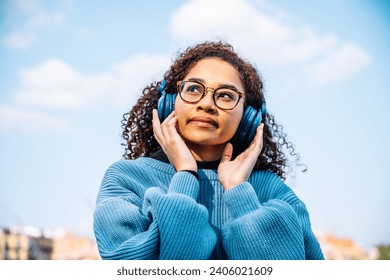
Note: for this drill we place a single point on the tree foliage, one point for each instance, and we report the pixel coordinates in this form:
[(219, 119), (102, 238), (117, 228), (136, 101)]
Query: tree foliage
[(383, 252)]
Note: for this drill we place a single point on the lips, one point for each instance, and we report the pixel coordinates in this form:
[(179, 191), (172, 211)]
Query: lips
[(204, 121)]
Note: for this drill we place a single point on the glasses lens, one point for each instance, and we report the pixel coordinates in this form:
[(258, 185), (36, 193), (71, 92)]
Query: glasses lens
[(191, 91), (226, 98)]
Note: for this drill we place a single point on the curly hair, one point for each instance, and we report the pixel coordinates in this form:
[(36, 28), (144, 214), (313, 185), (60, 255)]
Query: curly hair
[(137, 124)]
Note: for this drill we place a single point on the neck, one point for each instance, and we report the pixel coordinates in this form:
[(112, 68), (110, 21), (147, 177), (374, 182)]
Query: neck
[(204, 153)]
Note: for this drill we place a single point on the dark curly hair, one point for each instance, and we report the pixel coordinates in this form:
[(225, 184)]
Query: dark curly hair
[(137, 124)]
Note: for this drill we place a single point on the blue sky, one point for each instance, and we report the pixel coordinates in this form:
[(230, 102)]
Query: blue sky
[(70, 69)]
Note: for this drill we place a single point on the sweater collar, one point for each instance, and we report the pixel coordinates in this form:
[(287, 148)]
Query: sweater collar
[(161, 156)]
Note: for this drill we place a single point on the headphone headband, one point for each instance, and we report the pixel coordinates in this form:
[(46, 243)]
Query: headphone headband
[(263, 109), (161, 87)]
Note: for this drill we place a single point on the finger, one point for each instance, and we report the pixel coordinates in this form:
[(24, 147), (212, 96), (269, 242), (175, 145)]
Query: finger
[(227, 153), (156, 119), (257, 143), (156, 122), (169, 117), (156, 125), (251, 155), (168, 127)]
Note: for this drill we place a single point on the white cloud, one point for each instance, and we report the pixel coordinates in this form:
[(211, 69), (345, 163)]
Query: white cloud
[(19, 41), (35, 19), (267, 35), (56, 84), (134, 73), (26, 6), (338, 64), (267, 39), (45, 20), (21, 119), (51, 84)]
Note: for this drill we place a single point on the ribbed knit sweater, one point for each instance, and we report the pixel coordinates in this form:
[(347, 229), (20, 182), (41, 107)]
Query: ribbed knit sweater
[(147, 210)]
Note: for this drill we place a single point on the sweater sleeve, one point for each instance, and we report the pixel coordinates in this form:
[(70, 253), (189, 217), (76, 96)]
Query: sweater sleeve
[(131, 223), (275, 229)]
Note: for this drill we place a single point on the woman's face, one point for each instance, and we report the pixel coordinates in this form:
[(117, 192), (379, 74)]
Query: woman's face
[(204, 123)]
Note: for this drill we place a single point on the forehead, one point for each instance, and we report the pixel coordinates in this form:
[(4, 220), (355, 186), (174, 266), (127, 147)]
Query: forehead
[(215, 72)]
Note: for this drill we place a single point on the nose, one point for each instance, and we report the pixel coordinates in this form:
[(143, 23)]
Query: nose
[(207, 102)]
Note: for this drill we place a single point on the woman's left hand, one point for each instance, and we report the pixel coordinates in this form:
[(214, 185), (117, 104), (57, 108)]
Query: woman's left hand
[(234, 172)]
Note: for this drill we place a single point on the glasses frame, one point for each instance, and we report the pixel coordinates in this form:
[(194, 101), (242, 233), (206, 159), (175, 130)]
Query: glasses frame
[(205, 90)]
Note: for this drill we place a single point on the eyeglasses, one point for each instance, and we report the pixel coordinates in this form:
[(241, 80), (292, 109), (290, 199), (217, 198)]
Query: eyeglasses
[(225, 97)]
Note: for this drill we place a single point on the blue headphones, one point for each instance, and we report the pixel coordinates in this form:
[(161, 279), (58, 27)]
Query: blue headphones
[(246, 130)]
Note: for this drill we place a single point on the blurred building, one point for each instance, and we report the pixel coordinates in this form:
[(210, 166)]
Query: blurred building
[(338, 248), (66, 246), (24, 244), (30, 243)]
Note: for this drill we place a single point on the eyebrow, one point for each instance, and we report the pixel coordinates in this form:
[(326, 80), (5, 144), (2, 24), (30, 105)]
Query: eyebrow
[(199, 80)]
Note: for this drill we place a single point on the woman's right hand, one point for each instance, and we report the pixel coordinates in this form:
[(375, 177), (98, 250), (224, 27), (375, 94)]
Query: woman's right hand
[(172, 143)]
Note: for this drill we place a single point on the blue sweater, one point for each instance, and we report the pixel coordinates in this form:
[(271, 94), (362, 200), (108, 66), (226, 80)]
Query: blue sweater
[(147, 210)]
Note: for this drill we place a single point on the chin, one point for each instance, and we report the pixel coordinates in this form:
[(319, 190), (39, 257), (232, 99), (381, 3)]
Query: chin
[(205, 141), (204, 137)]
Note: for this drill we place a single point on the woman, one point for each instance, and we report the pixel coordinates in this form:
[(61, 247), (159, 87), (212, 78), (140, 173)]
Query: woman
[(184, 191)]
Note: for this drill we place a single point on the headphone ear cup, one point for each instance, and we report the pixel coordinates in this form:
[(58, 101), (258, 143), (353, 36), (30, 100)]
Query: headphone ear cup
[(253, 122), (166, 105), (246, 130)]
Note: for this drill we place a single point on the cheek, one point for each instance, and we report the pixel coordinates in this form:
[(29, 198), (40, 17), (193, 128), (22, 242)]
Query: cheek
[(231, 124), (179, 106), (237, 117), (180, 112)]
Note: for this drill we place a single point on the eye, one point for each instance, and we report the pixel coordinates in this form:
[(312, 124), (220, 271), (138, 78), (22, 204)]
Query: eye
[(193, 88), (226, 95)]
